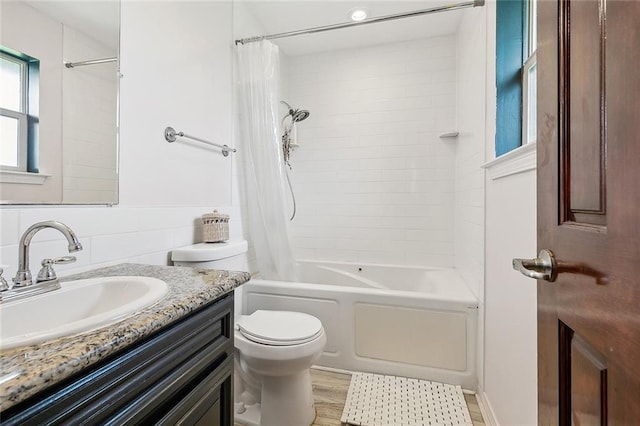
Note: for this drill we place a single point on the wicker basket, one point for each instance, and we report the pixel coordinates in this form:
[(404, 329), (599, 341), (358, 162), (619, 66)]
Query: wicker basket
[(215, 227)]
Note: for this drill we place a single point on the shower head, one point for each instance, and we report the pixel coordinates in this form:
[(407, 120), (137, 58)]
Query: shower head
[(297, 115), (300, 115)]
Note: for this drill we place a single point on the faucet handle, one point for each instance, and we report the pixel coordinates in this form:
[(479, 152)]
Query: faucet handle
[(3, 283), (61, 260), (47, 273)]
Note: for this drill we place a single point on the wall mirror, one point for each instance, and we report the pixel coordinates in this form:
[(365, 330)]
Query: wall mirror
[(59, 102)]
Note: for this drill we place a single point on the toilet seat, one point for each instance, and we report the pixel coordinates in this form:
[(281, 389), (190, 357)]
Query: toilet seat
[(279, 328)]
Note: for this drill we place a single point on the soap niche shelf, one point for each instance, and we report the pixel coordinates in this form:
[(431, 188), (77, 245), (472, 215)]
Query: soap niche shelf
[(448, 135)]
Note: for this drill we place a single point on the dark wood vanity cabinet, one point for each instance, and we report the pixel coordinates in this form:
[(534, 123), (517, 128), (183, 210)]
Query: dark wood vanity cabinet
[(180, 375)]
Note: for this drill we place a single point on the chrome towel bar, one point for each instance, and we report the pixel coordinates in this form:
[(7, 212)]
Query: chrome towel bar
[(170, 135), (91, 62)]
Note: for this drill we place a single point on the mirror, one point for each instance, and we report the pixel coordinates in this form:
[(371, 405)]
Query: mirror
[(69, 52)]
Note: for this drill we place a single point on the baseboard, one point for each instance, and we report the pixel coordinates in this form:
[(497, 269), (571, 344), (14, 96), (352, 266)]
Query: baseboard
[(485, 408), (331, 369)]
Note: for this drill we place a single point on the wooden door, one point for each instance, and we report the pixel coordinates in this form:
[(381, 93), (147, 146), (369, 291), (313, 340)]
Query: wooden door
[(589, 211)]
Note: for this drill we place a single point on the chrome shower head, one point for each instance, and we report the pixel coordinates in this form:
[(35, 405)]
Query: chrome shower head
[(297, 115), (300, 115)]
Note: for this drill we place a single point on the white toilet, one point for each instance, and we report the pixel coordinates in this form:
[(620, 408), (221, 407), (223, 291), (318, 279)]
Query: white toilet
[(274, 349), (227, 255)]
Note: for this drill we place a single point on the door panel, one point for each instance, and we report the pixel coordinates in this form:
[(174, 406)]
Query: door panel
[(582, 73), (587, 380), (589, 211)]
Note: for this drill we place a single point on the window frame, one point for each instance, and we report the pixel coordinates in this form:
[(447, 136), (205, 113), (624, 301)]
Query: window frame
[(516, 34), (22, 116), (532, 30), (22, 141), (528, 104)]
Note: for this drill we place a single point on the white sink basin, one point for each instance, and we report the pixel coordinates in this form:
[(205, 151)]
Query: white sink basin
[(79, 306)]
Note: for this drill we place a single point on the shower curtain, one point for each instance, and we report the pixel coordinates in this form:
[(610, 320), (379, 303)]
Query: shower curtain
[(264, 173)]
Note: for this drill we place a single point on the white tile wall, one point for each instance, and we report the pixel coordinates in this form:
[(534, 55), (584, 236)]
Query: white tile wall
[(373, 181), (89, 105), (470, 154), (108, 235)]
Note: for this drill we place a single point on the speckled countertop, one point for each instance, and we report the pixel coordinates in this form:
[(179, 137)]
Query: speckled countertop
[(27, 370)]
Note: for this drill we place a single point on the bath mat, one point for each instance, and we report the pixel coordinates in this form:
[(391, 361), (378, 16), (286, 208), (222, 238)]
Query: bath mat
[(378, 400)]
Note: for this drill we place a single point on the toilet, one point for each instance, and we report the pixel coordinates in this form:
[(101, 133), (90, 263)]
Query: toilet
[(227, 255), (274, 349)]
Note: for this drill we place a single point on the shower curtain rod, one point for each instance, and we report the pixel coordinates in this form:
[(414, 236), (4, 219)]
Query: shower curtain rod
[(313, 30)]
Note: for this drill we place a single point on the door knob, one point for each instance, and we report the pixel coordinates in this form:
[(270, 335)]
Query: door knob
[(544, 267)]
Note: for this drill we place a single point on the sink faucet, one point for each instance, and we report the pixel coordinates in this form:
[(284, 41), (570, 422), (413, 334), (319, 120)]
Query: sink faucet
[(23, 276)]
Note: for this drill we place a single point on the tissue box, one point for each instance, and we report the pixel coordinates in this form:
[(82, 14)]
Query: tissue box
[(215, 227)]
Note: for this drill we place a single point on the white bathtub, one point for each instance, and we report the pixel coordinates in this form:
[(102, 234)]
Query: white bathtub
[(405, 321)]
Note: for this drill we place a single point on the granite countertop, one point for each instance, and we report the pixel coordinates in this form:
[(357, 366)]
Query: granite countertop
[(27, 370)]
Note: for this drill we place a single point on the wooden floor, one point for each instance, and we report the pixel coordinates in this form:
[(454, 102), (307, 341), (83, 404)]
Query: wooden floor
[(330, 392), (474, 409)]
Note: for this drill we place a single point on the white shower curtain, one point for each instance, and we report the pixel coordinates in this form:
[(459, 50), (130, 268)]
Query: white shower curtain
[(264, 173)]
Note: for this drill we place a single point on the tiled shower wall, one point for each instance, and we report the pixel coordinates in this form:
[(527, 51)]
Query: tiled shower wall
[(469, 186), (373, 181)]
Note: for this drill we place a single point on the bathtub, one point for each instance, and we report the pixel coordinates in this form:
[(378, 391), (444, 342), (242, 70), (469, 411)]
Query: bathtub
[(404, 321)]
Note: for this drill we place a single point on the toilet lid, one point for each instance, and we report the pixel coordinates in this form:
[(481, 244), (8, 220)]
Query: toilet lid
[(279, 328)]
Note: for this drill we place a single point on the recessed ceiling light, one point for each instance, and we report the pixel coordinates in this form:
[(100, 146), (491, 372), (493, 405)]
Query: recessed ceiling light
[(358, 14)]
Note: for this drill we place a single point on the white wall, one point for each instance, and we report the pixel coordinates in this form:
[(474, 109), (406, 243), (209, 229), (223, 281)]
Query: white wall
[(33, 33), (510, 370), (373, 181), (176, 61), (509, 386)]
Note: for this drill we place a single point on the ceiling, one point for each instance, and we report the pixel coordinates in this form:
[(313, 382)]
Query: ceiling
[(282, 16), (98, 18)]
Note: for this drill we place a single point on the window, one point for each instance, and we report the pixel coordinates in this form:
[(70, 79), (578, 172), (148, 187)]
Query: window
[(515, 74), (18, 111), (13, 113)]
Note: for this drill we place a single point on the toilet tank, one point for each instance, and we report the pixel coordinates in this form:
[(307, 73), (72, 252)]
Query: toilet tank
[(229, 255)]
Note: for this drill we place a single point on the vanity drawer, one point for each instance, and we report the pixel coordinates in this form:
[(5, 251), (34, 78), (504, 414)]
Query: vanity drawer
[(161, 404), (145, 382), (207, 403)]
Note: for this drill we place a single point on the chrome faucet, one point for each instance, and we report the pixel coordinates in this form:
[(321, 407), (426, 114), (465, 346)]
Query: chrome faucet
[(23, 275)]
